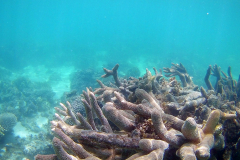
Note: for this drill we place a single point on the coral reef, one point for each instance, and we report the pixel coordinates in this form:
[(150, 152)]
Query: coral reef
[(25, 98), (31, 104), (75, 100), (82, 79), (146, 118), (4, 73), (16, 148), (225, 85), (7, 122), (179, 70), (133, 72)]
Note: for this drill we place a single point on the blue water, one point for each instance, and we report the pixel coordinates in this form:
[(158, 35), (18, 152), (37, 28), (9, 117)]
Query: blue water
[(142, 33)]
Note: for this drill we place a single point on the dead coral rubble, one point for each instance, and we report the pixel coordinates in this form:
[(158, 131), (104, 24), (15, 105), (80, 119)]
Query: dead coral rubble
[(145, 118)]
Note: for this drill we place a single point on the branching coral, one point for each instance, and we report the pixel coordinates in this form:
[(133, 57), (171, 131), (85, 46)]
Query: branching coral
[(225, 84), (179, 70), (143, 118)]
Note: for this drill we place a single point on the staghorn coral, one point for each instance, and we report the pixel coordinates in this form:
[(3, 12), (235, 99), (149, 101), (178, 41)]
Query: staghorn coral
[(113, 73), (154, 117), (180, 70), (225, 85)]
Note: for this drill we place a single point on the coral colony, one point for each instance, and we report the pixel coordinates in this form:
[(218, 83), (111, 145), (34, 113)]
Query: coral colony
[(152, 117)]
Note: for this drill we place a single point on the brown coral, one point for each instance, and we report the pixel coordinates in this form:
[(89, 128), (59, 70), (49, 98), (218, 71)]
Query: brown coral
[(154, 116)]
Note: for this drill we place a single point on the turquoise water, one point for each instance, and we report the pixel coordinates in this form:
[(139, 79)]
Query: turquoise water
[(144, 33), (45, 41)]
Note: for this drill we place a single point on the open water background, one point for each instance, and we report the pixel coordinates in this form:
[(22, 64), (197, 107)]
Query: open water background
[(134, 33)]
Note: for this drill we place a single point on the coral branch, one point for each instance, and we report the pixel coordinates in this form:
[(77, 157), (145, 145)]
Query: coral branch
[(59, 150), (109, 139), (169, 136), (113, 73), (46, 157), (106, 127), (180, 71), (117, 117), (76, 148), (206, 79)]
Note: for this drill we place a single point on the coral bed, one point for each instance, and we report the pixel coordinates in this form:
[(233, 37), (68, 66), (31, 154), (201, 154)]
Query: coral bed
[(151, 118)]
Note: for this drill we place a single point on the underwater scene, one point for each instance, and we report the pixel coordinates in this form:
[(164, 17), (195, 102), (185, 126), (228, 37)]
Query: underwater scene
[(119, 79)]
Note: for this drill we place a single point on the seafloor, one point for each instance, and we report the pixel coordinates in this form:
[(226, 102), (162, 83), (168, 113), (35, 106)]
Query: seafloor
[(156, 116)]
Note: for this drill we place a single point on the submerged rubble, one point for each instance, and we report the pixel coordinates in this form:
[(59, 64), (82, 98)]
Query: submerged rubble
[(151, 117)]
